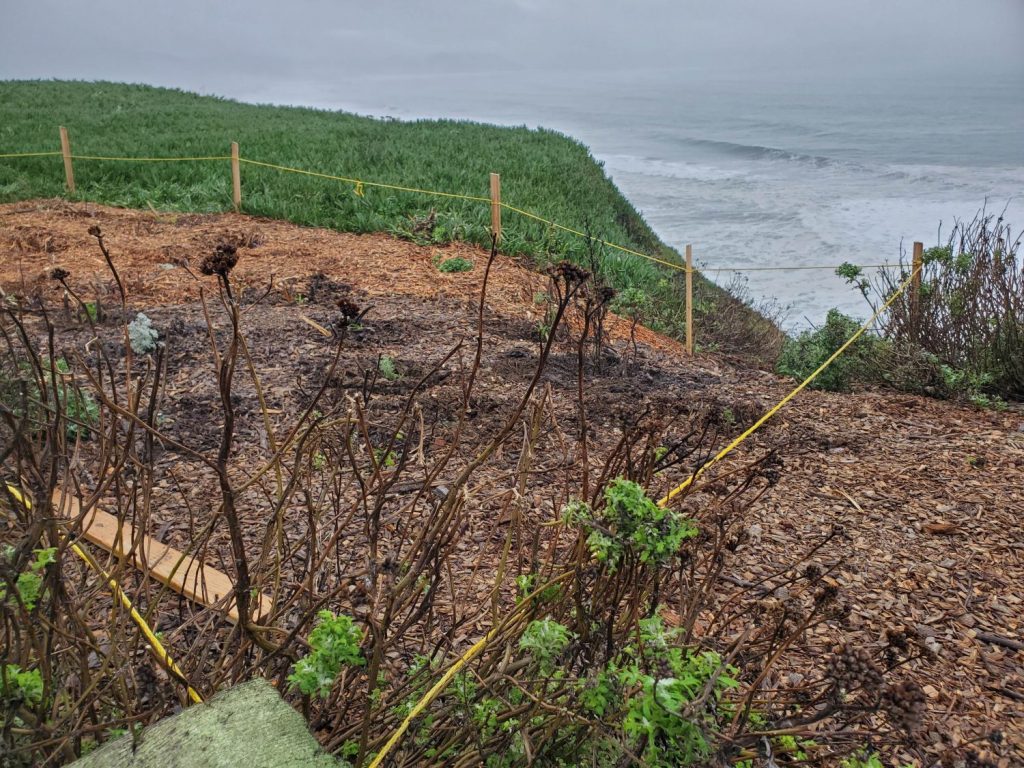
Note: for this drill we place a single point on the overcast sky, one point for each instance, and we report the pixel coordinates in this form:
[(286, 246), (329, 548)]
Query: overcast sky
[(221, 47)]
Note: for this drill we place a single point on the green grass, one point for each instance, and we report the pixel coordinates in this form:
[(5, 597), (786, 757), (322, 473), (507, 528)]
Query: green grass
[(542, 171)]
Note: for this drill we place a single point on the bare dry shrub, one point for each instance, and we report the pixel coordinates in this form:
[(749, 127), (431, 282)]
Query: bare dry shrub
[(599, 606)]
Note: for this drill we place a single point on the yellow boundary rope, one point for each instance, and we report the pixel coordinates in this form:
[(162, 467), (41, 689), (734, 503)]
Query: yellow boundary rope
[(360, 185), (482, 643), (154, 642), (152, 159), (799, 388), (787, 269), (31, 154)]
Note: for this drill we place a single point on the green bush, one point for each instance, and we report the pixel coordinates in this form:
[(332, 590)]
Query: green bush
[(964, 337), (630, 525), (801, 356)]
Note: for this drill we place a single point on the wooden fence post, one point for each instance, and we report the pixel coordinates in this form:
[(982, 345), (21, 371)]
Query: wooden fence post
[(915, 291), (689, 300), (65, 150), (236, 178), (496, 206)]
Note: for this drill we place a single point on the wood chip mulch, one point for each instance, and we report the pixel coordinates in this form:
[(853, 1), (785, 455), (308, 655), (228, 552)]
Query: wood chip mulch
[(930, 494)]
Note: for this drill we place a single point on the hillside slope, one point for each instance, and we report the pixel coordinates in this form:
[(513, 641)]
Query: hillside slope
[(919, 500), (542, 171)]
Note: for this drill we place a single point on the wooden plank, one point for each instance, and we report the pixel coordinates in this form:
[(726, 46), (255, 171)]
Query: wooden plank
[(236, 178), (65, 150), (181, 572), (689, 300), (496, 206)]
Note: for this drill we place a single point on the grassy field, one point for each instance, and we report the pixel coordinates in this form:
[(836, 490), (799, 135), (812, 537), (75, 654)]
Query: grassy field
[(542, 171)]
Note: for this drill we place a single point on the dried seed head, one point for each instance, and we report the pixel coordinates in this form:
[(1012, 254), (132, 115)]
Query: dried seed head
[(853, 667), (827, 595), (570, 273), (95, 231), (221, 261), (897, 638), (59, 274), (812, 573), (349, 310), (905, 703), (606, 294)]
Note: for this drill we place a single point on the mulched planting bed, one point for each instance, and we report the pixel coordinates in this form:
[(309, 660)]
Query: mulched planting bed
[(929, 494)]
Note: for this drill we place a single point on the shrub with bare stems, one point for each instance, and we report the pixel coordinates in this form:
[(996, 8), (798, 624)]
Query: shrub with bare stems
[(616, 634)]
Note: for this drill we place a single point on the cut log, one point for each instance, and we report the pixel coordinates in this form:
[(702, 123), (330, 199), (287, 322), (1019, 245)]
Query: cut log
[(181, 572)]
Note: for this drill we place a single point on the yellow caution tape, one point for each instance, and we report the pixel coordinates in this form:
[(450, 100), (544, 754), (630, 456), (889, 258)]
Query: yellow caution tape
[(154, 642)]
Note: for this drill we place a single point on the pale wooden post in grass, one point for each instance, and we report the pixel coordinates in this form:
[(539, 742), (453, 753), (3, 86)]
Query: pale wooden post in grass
[(915, 291), (689, 300), (496, 206), (65, 150), (236, 178)]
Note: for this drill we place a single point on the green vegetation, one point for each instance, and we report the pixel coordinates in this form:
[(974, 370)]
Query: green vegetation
[(455, 264), (630, 528), (542, 171), (962, 339), (30, 583), (802, 355), (872, 359), (335, 643), (19, 686), (386, 366), (79, 411)]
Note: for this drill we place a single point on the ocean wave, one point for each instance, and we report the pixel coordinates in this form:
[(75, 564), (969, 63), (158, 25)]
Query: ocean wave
[(759, 152), (668, 169)]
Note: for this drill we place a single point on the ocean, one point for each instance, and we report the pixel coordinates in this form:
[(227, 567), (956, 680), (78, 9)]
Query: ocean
[(795, 172)]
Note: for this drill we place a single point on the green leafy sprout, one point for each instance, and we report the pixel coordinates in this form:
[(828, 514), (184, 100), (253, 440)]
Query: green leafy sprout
[(386, 366), (335, 642), (630, 524), (29, 584)]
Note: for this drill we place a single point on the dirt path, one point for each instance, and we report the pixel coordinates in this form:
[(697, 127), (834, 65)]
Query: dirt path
[(930, 495)]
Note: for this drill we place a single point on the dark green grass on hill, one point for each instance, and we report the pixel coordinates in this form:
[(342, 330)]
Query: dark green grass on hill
[(542, 171)]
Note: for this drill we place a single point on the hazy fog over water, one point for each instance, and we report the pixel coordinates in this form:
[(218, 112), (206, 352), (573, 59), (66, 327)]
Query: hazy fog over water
[(792, 132)]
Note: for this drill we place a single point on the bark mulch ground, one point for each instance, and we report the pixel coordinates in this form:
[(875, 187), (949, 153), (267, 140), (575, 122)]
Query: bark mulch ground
[(930, 494)]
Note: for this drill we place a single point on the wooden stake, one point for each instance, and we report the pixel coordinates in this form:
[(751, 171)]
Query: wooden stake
[(236, 178), (689, 300), (496, 206), (915, 291), (65, 149)]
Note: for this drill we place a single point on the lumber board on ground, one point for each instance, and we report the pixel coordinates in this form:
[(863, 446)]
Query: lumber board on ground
[(181, 572)]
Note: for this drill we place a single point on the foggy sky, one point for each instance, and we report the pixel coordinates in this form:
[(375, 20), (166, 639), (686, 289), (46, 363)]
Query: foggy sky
[(220, 47)]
